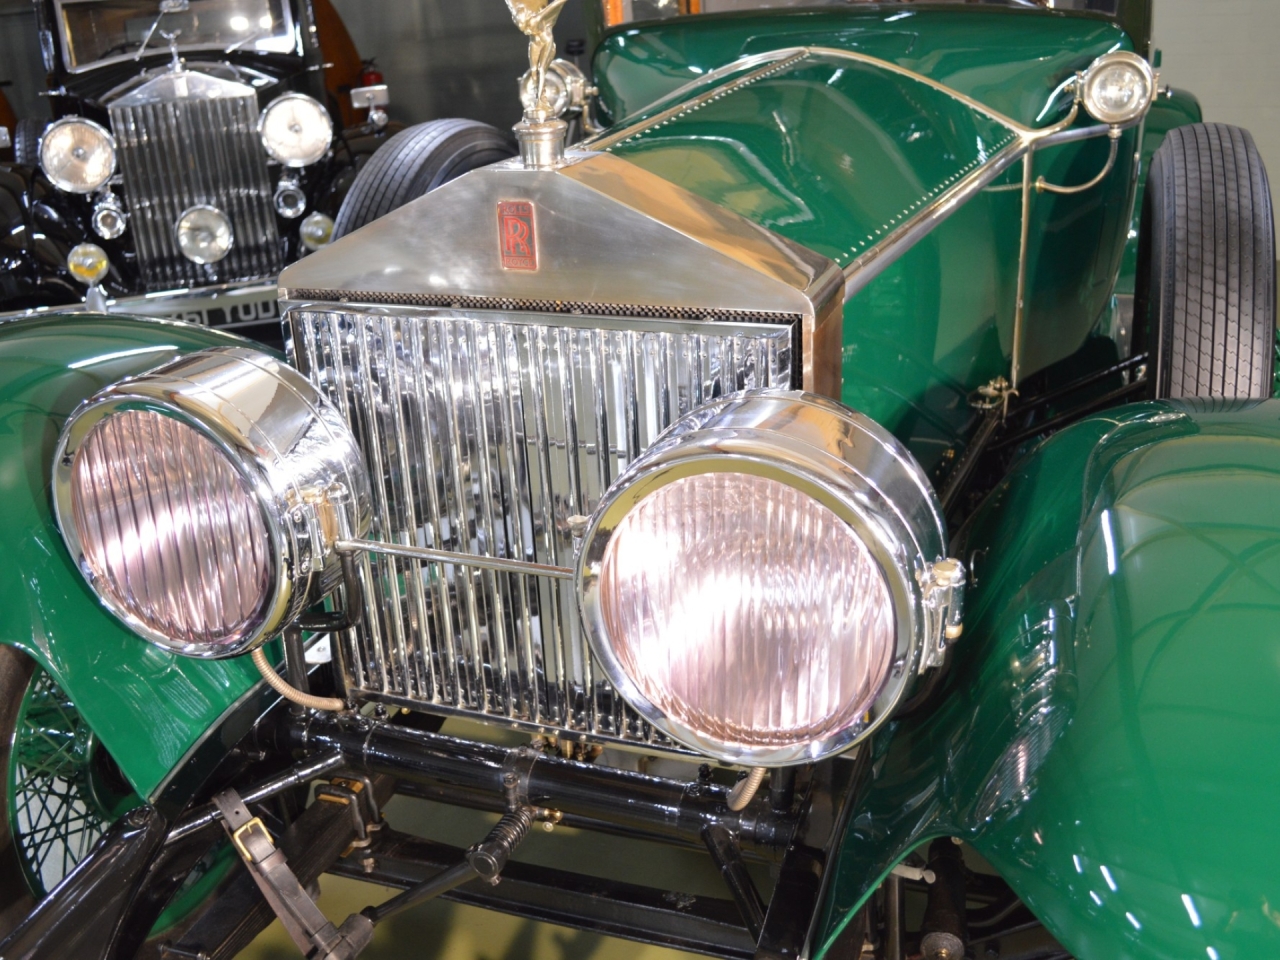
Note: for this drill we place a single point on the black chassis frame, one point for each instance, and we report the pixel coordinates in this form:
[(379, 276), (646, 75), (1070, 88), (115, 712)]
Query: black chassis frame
[(104, 909), (39, 224)]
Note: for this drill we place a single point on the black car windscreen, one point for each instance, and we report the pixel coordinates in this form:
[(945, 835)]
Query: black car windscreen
[(94, 31)]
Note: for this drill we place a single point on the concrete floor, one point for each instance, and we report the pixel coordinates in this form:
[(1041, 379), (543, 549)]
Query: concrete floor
[(447, 931)]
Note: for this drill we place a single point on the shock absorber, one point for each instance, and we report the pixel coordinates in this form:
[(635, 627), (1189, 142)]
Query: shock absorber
[(946, 924), (490, 855)]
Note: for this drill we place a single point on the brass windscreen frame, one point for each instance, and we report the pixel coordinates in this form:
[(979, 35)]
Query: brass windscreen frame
[(865, 268)]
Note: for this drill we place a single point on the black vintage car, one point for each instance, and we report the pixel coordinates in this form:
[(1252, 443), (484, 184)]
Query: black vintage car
[(193, 152)]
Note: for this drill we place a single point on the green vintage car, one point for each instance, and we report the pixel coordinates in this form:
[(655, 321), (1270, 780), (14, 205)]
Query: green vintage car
[(845, 481)]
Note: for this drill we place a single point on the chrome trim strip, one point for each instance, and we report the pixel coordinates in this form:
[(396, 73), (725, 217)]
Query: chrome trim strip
[(742, 63), (532, 317), (888, 65), (159, 305), (865, 268), (775, 61), (871, 264), (1020, 297), (450, 556)]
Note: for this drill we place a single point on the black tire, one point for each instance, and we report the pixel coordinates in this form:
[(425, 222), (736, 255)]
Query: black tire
[(415, 161), (26, 141), (1206, 281)]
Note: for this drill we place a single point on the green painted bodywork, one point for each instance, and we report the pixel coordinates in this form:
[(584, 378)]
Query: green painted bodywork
[(1011, 59), (1107, 739), (1104, 738), (147, 706), (835, 153), (1133, 15)]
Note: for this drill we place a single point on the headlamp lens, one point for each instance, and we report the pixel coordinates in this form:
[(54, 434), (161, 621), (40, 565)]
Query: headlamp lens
[(77, 155), (88, 263), (204, 234), (296, 130), (1118, 88), (746, 611), (171, 534), (316, 231)]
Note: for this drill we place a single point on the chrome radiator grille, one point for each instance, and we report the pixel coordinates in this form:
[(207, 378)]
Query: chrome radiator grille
[(178, 153), (485, 433)]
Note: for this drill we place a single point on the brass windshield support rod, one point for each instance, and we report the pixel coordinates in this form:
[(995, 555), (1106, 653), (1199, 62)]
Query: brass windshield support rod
[(1020, 299)]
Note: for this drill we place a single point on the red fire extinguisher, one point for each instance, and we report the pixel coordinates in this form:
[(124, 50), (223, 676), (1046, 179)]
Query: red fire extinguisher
[(370, 75)]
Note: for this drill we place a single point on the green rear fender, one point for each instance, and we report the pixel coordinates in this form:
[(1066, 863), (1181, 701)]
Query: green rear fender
[(1108, 737), (150, 708)]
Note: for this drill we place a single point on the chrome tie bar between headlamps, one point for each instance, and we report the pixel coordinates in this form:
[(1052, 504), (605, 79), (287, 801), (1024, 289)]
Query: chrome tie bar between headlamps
[(448, 556)]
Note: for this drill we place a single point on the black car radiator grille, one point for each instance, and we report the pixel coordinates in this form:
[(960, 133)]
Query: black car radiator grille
[(181, 153)]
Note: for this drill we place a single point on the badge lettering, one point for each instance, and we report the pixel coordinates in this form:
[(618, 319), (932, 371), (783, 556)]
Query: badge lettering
[(517, 235)]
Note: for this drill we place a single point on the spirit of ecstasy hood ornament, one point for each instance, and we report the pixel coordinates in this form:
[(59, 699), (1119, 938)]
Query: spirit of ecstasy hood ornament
[(541, 135)]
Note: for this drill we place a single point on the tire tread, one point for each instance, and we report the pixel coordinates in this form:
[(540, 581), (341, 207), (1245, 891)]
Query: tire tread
[(1213, 265), (417, 160)]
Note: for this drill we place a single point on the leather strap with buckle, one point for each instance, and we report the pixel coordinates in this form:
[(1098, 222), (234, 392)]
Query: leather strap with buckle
[(306, 925)]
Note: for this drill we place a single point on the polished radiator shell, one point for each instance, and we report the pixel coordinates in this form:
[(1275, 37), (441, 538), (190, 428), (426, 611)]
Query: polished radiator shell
[(187, 139), (489, 434), (495, 404)]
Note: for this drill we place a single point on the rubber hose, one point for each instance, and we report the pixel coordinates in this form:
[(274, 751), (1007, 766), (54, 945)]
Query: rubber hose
[(278, 684), (744, 790)]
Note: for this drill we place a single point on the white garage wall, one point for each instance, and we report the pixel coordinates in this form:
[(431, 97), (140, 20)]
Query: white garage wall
[(1226, 53)]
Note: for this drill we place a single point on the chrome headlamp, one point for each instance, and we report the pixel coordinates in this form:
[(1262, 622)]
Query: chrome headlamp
[(765, 583), (1118, 88), (295, 130), (204, 234), (77, 155), (201, 501)]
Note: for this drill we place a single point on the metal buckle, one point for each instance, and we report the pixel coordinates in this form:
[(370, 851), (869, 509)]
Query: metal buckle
[(238, 835)]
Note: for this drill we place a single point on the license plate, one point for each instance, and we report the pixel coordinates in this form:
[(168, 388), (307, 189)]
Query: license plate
[(224, 309)]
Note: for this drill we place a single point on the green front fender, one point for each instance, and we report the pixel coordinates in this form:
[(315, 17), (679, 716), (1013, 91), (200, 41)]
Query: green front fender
[(150, 708), (1109, 735)]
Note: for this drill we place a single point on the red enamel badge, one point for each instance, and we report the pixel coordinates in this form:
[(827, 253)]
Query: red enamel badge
[(517, 235)]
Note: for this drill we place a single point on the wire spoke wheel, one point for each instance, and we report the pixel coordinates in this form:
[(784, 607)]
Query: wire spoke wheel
[(64, 789)]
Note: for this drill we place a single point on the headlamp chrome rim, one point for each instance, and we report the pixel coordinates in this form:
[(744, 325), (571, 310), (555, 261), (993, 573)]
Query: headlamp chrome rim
[(300, 561), (294, 162), (192, 250), (70, 186), (738, 434), (79, 429), (1090, 79)]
